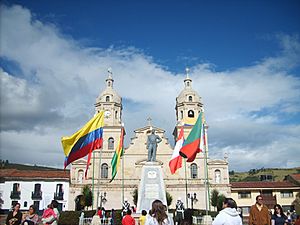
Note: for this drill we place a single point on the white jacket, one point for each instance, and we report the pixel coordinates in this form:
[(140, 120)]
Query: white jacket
[(228, 216)]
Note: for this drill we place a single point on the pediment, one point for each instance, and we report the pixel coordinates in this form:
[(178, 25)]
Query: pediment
[(147, 129)]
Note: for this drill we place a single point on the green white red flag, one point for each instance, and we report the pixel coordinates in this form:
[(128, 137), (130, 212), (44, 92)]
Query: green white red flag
[(191, 145)]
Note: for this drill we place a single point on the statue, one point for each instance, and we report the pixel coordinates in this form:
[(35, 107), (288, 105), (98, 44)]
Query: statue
[(152, 146), (179, 212)]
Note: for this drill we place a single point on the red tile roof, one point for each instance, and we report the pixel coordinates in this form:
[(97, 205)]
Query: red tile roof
[(296, 176), (14, 174), (264, 184)]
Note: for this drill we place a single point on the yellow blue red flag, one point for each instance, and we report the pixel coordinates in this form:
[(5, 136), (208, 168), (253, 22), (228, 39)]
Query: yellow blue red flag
[(84, 141)]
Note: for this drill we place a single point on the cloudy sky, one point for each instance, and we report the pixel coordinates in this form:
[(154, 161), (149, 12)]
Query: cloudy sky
[(244, 58)]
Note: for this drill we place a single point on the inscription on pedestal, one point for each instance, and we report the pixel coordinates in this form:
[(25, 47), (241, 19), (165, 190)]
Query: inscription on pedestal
[(151, 187)]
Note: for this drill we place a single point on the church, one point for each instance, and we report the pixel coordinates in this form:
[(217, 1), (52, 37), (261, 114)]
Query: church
[(188, 181)]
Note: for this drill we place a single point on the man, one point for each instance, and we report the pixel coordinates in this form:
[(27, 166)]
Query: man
[(228, 215), (128, 219), (259, 213), (125, 207), (179, 211), (152, 142)]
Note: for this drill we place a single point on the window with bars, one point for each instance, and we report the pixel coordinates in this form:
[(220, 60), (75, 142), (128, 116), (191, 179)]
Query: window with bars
[(104, 170), (286, 194), (194, 170), (244, 194)]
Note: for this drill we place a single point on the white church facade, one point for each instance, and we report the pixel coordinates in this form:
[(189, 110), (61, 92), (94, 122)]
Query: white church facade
[(111, 194)]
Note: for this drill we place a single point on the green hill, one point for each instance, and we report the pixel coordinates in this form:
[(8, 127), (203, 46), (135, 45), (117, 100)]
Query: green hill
[(278, 174), (7, 165)]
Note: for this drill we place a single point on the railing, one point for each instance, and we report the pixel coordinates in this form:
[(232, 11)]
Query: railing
[(197, 219), (88, 220), (36, 195), (15, 195), (59, 196)]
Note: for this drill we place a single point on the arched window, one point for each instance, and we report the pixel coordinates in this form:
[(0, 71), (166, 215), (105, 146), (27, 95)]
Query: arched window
[(194, 170), (190, 98), (111, 142), (218, 176), (181, 114), (80, 176), (188, 84), (25, 204), (104, 170), (107, 99), (116, 114), (191, 114)]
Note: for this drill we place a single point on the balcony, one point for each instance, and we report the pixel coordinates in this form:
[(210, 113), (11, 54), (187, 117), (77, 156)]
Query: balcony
[(15, 195), (59, 196), (36, 195)]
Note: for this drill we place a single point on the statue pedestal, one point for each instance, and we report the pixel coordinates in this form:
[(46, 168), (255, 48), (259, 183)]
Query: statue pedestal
[(151, 187)]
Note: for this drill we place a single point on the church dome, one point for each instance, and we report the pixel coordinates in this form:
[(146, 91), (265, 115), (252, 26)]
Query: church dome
[(188, 94), (109, 94)]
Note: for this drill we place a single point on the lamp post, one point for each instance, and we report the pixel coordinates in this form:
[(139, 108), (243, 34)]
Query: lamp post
[(193, 197), (102, 198)]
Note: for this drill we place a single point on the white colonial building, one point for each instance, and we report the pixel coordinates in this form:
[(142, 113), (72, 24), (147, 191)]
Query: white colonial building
[(34, 187), (110, 195)]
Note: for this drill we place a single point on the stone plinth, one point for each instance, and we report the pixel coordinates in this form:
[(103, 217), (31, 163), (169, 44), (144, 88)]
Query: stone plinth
[(151, 187)]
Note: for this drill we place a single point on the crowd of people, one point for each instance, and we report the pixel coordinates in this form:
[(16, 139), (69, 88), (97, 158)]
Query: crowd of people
[(157, 215), (50, 215)]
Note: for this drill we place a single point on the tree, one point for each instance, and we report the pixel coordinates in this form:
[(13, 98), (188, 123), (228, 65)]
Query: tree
[(135, 196), (169, 198), (221, 199), (214, 198), (87, 195), (296, 203)]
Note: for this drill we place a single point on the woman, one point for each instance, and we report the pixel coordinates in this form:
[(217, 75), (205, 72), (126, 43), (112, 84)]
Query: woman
[(53, 219), (32, 218), (158, 215), (14, 217), (278, 218)]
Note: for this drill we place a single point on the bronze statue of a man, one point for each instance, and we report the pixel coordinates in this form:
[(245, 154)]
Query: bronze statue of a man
[(152, 141)]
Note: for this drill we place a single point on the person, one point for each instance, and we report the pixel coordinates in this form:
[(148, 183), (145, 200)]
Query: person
[(297, 222), (32, 218), (259, 213), (48, 215), (142, 218), (128, 219), (179, 211), (15, 216), (99, 212), (278, 218), (125, 207), (158, 215), (152, 141), (81, 218), (228, 215), (113, 217), (103, 212), (54, 217)]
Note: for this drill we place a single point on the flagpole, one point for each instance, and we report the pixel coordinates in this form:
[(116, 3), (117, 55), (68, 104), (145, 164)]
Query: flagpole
[(99, 177), (123, 156), (186, 185), (207, 194), (93, 180)]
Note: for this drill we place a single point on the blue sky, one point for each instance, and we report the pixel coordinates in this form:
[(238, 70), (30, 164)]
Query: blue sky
[(244, 58)]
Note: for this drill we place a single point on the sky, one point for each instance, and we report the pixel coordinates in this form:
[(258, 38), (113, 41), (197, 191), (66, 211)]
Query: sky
[(244, 60)]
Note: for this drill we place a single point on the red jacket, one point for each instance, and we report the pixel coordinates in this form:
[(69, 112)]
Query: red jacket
[(128, 220)]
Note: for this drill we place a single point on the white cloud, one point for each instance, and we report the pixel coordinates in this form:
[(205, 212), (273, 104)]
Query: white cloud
[(60, 80)]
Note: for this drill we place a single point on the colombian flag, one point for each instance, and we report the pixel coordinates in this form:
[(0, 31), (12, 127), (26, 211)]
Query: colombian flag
[(84, 141)]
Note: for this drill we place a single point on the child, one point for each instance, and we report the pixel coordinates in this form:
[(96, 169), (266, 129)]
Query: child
[(142, 218), (48, 215)]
